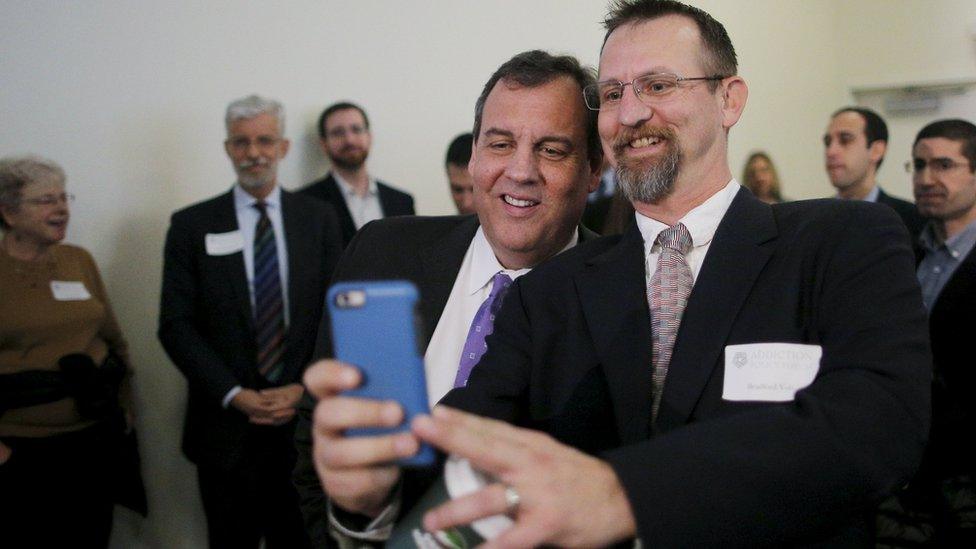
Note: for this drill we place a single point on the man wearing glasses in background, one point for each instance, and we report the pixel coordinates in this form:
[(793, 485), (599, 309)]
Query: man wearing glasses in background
[(942, 499), (792, 399), (357, 198), (243, 286)]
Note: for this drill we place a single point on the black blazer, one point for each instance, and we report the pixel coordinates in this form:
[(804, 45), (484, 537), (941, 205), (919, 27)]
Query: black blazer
[(906, 211), (571, 355), (205, 320), (392, 201), (954, 408), (427, 251)]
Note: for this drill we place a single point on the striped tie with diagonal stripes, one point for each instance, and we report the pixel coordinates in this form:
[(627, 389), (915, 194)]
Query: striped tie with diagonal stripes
[(269, 318), (667, 296)]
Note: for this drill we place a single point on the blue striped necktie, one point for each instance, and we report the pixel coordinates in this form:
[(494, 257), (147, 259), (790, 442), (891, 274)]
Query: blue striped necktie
[(269, 317)]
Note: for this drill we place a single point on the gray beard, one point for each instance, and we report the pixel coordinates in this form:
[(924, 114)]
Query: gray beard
[(650, 184)]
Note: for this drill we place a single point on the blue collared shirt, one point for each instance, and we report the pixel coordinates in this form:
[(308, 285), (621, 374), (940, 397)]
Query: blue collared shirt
[(942, 258)]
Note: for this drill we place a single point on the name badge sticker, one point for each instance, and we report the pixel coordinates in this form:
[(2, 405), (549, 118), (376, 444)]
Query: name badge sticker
[(769, 372), (224, 243), (69, 290)]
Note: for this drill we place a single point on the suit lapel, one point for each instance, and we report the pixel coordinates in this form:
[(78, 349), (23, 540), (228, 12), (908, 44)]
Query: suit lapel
[(612, 296), (225, 220), (339, 203), (959, 286), (741, 247), (440, 262), (299, 253)]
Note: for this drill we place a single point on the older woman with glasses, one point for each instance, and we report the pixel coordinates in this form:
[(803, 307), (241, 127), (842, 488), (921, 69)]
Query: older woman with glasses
[(64, 391)]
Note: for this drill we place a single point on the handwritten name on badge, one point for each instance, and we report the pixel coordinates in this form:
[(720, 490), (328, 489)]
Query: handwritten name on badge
[(69, 290), (769, 372), (224, 243)]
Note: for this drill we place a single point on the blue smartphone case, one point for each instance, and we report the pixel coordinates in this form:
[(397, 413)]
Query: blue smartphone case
[(374, 327)]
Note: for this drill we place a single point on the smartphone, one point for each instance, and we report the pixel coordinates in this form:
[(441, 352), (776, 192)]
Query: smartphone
[(375, 327)]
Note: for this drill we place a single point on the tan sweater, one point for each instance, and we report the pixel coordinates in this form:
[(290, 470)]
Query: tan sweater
[(37, 328)]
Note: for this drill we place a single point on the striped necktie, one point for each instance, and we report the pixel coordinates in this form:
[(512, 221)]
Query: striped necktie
[(269, 318), (667, 296)]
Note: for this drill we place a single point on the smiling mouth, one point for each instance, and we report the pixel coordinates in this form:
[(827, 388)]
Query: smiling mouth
[(517, 202), (645, 142)]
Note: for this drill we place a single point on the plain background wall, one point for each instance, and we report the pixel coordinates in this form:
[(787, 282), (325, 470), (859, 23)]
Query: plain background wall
[(129, 97)]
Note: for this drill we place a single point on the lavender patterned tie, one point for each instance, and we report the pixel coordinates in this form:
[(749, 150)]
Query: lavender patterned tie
[(481, 326), (667, 295)]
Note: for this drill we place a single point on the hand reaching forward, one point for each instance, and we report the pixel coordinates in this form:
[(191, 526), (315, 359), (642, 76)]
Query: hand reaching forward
[(566, 498)]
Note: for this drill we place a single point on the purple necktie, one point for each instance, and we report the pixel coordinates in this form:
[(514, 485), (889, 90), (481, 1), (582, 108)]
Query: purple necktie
[(481, 326), (667, 295)]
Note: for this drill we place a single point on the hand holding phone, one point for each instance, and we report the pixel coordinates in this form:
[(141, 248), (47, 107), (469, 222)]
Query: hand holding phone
[(374, 327)]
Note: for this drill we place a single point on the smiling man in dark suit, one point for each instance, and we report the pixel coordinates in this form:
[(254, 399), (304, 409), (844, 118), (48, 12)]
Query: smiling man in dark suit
[(346, 139), (737, 374), (536, 157), (243, 288)]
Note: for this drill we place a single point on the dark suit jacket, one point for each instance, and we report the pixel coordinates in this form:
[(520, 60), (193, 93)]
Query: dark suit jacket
[(427, 251), (392, 201), (571, 355), (954, 407), (206, 324), (906, 211)]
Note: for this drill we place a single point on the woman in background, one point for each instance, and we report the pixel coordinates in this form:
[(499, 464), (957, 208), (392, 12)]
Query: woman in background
[(64, 371), (760, 177)]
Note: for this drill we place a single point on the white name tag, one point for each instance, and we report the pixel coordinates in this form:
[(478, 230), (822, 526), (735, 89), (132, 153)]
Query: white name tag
[(769, 372), (69, 291), (224, 243)]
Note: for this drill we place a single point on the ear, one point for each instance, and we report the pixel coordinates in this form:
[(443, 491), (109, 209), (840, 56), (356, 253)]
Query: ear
[(283, 146), (734, 95), (474, 155), (876, 151), (323, 146), (594, 175), (5, 213)]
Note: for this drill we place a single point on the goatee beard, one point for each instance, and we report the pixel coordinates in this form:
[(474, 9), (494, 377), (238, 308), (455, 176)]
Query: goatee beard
[(651, 183)]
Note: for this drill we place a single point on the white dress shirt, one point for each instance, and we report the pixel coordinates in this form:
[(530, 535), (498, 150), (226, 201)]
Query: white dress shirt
[(701, 222), (247, 220), (363, 209)]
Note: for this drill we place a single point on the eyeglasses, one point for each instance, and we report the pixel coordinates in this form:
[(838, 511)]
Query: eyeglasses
[(264, 143), (50, 199), (336, 133), (650, 89), (936, 165)]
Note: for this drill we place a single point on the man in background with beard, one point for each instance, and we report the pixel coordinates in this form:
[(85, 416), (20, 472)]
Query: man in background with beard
[(357, 198)]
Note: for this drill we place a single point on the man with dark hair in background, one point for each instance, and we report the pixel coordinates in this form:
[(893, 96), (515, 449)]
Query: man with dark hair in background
[(645, 382), (458, 176), (345, 138), (535, 158), (855, 144), (941, 501)]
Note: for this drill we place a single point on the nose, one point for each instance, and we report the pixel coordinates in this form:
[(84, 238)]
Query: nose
[(923, 177), (252, 150), (523, 166), (632, 111)]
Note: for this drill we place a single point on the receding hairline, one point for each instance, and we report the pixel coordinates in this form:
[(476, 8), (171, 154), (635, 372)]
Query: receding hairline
[(702, 51)]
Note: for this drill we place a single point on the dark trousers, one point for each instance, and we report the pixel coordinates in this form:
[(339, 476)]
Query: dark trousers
[(56, 491), (256, 499)]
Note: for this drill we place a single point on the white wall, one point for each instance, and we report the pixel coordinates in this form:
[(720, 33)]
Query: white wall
[(904, 43), (129, 97)]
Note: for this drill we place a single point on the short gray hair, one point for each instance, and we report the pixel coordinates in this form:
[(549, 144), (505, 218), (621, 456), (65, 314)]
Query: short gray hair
[(18, 171), (251, 106)]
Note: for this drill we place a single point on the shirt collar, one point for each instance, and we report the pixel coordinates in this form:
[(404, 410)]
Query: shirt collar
[(872, 195), (701, 222), (484, 264), (243, 200), (347, 190), (958, 245)]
